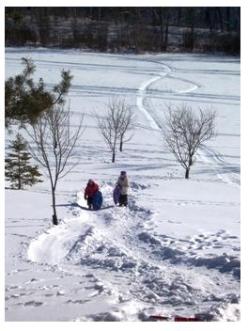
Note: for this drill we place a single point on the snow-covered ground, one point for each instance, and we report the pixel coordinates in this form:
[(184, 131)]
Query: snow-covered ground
[(176, 249)]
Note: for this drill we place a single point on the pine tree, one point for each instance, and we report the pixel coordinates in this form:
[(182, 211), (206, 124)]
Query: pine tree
[(26, 100), (17, 165)]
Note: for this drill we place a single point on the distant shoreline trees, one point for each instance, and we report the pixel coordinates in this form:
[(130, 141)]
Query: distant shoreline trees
[(126, 29)]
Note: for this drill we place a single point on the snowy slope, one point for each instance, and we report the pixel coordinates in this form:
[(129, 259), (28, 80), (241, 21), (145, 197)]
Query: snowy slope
[(175, 249)]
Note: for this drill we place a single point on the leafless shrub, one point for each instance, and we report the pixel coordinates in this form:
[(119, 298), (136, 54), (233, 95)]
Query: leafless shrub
[(185, 131), (115, 126)]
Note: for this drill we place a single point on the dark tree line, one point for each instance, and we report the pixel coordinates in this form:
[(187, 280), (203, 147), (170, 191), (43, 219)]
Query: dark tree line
[(224, 18), (126, 28)]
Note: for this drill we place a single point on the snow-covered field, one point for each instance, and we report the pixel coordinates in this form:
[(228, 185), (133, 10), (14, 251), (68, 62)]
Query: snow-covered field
[(176, 249)]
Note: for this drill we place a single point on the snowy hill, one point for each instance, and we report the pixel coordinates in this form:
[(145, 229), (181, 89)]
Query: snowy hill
[(176, 248)]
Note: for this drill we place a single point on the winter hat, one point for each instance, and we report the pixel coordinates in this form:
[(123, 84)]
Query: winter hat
[(123, 173)]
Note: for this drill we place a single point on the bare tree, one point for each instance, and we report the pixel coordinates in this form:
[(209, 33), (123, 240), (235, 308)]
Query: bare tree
[(162, 15), (115, 125), (186, 131), (128, 121), (52, 145)]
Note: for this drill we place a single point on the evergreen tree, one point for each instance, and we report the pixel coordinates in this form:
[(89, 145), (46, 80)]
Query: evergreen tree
[(26, 100), (17, 165)]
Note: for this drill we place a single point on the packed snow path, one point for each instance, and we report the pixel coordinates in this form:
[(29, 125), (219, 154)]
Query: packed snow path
[(135, 265), (175, 249)]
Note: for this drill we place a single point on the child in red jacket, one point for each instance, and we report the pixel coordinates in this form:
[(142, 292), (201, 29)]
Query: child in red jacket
[(90, 191)]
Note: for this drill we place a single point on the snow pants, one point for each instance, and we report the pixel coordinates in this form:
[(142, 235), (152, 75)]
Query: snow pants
[(123, 200), (90, 202)]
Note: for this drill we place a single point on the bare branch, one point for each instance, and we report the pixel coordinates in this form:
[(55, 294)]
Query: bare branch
[(53, 144), (114, 127), (185, 131)]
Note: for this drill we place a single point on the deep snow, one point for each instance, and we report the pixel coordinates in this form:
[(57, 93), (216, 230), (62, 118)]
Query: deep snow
[(176, 248)]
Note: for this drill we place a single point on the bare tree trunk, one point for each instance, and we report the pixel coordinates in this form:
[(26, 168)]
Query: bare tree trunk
[(228, 19), (121, 144), (187, 173), (99, 13), (165, 31), (113, 157), (220, 17), (19, 175), (166, 34), (209, 18), (54, 147), (55, 218)]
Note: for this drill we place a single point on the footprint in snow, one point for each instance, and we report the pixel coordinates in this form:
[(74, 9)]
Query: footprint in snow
[(218, 246), (173, 222), (13, 287), (32, 280), (60, 292), (33, 303), (15, 296), (79, 301)]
